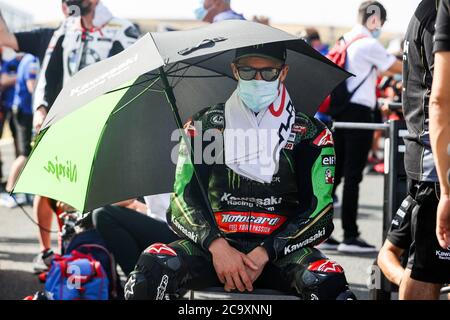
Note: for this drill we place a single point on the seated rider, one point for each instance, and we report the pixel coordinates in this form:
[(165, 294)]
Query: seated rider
[(269, 202)]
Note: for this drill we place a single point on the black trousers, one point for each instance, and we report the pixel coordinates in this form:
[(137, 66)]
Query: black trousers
[(428, 262), (352, 149), (127, 233)]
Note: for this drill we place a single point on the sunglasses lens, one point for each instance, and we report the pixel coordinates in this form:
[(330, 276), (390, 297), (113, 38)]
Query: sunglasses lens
[(246, 73), (267, 74), (270, 74)]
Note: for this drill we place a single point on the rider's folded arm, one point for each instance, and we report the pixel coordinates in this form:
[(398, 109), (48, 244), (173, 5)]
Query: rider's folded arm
[(188, 214), (314, 222), (54, 75)]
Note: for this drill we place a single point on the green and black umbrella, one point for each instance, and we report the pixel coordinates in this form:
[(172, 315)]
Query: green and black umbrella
[(107, 137)]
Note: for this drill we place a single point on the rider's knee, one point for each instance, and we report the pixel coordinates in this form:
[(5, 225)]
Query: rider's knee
[(323, 280), (154, 276)]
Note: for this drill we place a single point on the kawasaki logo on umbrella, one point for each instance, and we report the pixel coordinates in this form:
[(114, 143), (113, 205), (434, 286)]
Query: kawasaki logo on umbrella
[(67, 170)]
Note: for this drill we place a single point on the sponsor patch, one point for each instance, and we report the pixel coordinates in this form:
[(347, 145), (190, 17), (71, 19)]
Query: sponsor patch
[(324, 139), (292, 137), (289, 146), (326, 266), (250, 201), (299, 129), (328, 161), (329, 178), (249, 222), (294, 247), (217, 120)]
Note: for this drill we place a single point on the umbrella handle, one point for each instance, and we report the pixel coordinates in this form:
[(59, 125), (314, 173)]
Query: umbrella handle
[(173, 105), (206, 43)]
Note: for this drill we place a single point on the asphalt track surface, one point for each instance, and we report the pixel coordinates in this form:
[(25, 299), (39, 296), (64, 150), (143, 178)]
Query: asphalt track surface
[(19, 245)]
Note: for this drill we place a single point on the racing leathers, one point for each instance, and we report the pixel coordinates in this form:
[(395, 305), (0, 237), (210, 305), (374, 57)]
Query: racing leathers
[(288, 217), (74, 47)]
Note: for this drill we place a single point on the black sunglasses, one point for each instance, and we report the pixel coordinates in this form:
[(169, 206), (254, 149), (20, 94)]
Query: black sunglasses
[(268, 74)]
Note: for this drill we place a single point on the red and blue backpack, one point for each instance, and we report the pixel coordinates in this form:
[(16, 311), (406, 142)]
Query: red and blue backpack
[(86, 272)]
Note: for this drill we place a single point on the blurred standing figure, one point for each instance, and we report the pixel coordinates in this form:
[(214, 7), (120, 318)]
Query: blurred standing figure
[(365, 58), (8, 83), (428, 265), (312, 37), (216, 10), (89, 35), (22, 117), (440, 120)]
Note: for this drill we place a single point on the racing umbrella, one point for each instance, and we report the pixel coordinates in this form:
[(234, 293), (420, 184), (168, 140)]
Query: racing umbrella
[(109, 135)]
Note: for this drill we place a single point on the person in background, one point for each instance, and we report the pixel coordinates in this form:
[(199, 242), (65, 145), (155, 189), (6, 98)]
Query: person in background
[(7, 85), (90, 35), (366, 57), (440, 120), (216, 10), (393, 256), (22, 117), (261, 19), (130, 226), (428, 265), (35, 42), (312, 37)]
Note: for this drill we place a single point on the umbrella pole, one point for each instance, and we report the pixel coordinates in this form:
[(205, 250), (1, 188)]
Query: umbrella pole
[(173, 105)]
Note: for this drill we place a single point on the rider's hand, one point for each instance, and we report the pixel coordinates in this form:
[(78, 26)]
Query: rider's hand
[(38, 118), (230, 265), (260, 257), (443, 221)]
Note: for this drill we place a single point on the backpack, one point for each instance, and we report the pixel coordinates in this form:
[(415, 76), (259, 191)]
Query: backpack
[(337, 101), (77, 276), (87, 253)]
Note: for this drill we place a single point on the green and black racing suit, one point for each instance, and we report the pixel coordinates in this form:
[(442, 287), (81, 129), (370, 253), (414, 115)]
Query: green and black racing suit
[(288, 217)]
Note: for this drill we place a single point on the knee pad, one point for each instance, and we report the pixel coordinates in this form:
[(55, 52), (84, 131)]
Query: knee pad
[(154, 277), (322, 280)]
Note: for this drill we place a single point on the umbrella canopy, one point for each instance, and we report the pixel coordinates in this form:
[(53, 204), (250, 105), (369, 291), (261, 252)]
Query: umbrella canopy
[(107, 138)]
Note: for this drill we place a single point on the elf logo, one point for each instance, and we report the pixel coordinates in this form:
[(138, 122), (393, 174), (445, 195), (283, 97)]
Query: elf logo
[(328, 161)]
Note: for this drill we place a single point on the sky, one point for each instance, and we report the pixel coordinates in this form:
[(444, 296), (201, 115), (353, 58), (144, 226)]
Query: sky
[(308, 12)]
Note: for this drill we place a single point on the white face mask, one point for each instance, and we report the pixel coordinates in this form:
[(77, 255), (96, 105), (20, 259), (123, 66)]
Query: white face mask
[(258, 95)]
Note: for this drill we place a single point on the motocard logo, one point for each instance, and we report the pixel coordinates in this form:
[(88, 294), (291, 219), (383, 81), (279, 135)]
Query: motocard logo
[(161, 249), (291, 248), (250, 202), (326, 266), (328, 161), (324, 139), (252, 222), (98, 81)]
